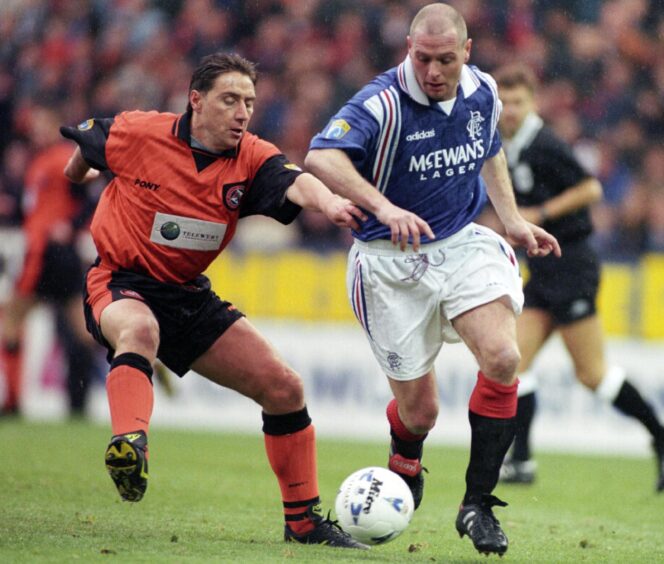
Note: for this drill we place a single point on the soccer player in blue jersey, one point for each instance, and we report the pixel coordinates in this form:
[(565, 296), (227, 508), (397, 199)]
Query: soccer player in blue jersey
[(409, 149)]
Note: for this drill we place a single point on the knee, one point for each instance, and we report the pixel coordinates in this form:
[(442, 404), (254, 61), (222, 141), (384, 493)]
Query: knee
[(141, 336), (283, 392), (501, 363)]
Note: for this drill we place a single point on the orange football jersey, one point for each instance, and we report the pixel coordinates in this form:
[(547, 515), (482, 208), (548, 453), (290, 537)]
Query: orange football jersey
[(170, 208)]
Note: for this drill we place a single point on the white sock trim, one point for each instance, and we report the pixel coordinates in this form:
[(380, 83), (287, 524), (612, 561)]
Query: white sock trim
[(611, 383), (527, 383)]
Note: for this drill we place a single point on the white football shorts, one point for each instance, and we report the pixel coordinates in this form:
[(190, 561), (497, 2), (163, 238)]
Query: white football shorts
[(405, 301)]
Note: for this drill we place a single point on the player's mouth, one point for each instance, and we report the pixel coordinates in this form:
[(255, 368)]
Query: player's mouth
[(237, 132)]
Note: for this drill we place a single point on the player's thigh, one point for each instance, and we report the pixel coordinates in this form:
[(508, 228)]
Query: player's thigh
[(130, 326), (400, 313), (243, 360), (584, 340), (489, 331), (533, 327)]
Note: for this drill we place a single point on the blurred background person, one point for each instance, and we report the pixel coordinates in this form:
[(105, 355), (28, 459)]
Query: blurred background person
[(553, 190), (55, 213)]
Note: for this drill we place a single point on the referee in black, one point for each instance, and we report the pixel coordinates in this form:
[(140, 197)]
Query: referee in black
[(553, 190)]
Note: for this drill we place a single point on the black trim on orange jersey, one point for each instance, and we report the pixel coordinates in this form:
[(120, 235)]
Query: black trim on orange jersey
[(182, 130), (267, 193), (91, 136)]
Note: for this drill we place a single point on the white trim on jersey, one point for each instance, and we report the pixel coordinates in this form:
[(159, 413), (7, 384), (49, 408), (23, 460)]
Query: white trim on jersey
[(497, 105), (385, 107)]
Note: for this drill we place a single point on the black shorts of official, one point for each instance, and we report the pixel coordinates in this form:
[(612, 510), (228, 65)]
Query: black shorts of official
[(191, 316), (566, 287)]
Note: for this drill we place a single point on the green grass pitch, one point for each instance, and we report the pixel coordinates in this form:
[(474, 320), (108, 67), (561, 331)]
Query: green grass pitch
[(213, 498)]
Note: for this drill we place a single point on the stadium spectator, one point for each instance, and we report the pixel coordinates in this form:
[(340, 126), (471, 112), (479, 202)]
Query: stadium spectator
[(159, 224), (389, 150), (608, 51), (552, 189), (55, 213)]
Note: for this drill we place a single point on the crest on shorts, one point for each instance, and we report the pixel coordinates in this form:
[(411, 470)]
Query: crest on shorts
[(394, 360), (232, 194), (337, 129), (85, 125)]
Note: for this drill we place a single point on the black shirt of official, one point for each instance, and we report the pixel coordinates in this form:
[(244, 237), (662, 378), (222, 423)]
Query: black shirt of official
[(543, 166)]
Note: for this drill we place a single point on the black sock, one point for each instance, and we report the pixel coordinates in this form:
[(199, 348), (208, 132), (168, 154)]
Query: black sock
[(630, 402), (407, 449), (525, 412), (490, 439)]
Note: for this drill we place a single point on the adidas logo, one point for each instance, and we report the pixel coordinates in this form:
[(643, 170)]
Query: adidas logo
[(418, 135)]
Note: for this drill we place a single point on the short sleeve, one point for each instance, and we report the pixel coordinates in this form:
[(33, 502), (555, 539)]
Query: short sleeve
[(353, 130), (267, 193), (91, 136)]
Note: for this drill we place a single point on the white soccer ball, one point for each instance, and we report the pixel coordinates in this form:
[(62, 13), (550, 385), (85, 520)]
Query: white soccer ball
[(374, 505)]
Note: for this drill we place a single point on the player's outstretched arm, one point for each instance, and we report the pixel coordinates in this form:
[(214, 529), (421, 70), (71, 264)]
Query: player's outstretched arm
[(310, 193), (536, 240), (77, 170), (334, 168)]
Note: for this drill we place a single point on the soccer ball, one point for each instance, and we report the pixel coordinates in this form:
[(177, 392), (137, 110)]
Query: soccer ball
[(374, 505)]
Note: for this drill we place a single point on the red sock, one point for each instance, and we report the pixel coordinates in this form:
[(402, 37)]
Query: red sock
[(12, 365), (130, 398), (398, 426), (491, 399), (293, 460)]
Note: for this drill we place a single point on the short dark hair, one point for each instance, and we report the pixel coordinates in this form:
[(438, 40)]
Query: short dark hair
[(514, 75), (211, 66)]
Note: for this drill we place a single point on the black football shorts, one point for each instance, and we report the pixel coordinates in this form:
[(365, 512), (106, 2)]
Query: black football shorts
[(566, 287), (191, 316)]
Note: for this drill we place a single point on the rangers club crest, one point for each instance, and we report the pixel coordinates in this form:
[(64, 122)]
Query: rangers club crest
[(232, 194), (474, 127)]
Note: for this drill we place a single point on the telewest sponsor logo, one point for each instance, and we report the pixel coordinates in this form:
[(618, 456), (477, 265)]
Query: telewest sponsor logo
[(445, 158), (418, 135)]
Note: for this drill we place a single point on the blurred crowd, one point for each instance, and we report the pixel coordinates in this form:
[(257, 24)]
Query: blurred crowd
[(601, 63)]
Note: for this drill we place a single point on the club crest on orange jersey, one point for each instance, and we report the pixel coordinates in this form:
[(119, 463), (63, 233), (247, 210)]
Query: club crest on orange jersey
[(232, 194)]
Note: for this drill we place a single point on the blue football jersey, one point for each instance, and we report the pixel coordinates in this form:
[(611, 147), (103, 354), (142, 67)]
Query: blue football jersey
[(424, 156)]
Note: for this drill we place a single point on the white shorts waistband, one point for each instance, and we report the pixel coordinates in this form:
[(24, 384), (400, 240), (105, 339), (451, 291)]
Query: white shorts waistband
[(385, 247)]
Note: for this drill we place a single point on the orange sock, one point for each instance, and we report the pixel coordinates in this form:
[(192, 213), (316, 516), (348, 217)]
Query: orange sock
[(293, 460), (11, 360), (130, 394)]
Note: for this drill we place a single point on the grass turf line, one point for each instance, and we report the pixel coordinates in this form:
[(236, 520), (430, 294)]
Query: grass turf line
[(213, 498)]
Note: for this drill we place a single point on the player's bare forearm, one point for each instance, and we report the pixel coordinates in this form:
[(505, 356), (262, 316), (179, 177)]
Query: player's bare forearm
[(499, 189), (586, 192), (337, 171), (77, 170), (310, 193)]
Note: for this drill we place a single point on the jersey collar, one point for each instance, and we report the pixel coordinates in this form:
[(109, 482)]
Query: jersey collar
[(524, 136), (182, 130), (408, 82)]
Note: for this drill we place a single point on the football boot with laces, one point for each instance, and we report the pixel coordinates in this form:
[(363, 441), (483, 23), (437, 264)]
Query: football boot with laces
[(411, 470), (478, 522), (325, 532)]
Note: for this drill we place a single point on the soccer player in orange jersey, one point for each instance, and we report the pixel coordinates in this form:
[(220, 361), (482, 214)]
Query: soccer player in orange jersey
[(54, 213), (181, 183)]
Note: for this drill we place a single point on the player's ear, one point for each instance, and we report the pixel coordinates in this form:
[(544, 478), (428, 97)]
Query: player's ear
[(466, 55), (195, 98)]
